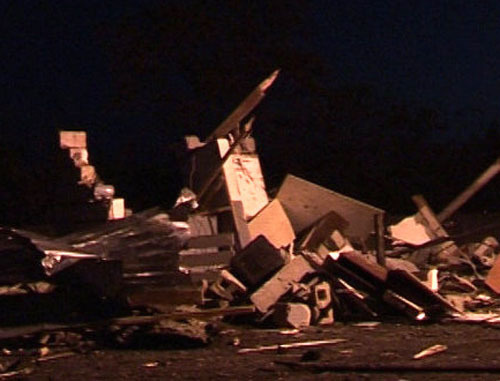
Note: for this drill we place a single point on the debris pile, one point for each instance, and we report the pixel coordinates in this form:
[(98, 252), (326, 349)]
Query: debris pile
[(306, 255), (89, 189), (310, 255)]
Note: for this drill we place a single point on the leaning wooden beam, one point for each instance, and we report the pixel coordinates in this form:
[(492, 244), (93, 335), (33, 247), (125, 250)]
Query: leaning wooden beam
[(217, 171), (428, 215), (447, 249), (245, 107), (463, 197)]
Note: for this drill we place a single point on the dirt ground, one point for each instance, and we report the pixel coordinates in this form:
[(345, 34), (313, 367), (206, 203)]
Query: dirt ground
[(383, 352)]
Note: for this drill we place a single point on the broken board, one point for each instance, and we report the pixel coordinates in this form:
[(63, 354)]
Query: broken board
[(305, 203)]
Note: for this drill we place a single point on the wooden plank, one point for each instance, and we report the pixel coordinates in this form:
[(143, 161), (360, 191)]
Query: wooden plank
[(447, 249), (216, 240), (364, 275), (164, 298), (204, 257), (273, 223), (192, 142), (410, 287), (305, 203), (323, 231), (72, 139), (226, 152), (240, 223), (304, 344), (201, 225), (245, 183), (244, 108), (117, 209), (358, 263), (379, 232)]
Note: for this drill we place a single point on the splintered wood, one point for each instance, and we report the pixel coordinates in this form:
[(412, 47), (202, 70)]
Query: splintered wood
[(304, 344), (448, 249)]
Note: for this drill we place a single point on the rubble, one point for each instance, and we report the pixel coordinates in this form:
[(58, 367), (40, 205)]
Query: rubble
[(89, 198), (431, 351), (308, 256), (283, 281)]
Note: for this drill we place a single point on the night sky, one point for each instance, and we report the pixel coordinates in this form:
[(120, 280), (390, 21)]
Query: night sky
[(139, 75)]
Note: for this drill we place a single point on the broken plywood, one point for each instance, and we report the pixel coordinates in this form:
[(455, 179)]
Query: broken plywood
[(410, 230), (232, 122), (325, 229), (306, 202), (116, 209), (273, 223), (245, 183)]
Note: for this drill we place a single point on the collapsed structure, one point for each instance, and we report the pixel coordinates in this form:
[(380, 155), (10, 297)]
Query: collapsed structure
[(306, 256)]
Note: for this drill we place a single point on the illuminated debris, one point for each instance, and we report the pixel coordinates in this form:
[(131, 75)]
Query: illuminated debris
[(228, 287), (484, 251), (266, 296), (75, 142), (272, 223), (435, 349), (305, 255), (294, 315), (257, 262), (305, 203), (493, 278)]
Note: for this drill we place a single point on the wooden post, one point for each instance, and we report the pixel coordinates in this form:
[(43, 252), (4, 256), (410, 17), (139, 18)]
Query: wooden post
[(248, 104), (463, 197), (447, 249), (379, 233), (218, 170)]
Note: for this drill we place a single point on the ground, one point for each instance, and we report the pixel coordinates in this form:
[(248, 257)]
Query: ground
[(383, 352)]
